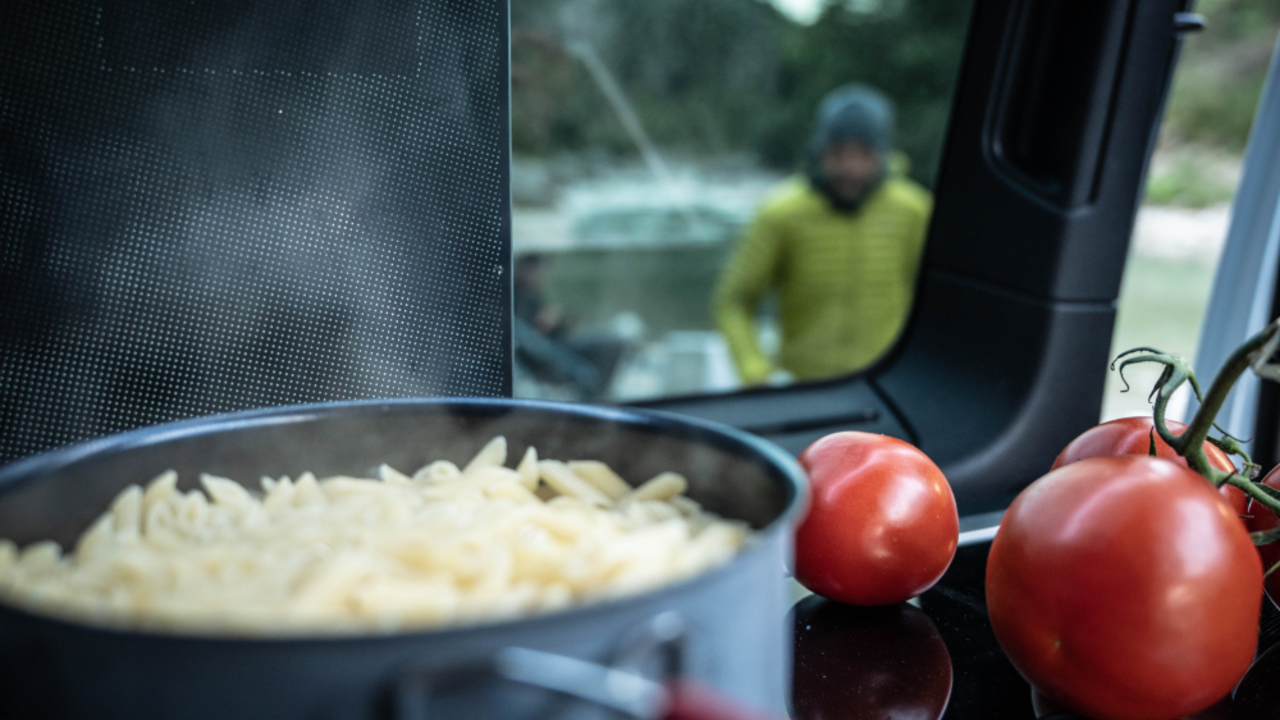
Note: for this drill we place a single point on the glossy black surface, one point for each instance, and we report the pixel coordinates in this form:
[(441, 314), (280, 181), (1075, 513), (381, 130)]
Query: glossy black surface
[(875, 663)]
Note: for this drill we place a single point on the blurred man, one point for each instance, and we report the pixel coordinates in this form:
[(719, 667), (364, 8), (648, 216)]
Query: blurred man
[(549, 348), (528, 297), (840, 246)]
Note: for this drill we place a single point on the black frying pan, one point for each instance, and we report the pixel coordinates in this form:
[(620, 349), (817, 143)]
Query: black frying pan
[(722, 630)]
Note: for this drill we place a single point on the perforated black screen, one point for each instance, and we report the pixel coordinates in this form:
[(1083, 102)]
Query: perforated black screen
[(209, 205)]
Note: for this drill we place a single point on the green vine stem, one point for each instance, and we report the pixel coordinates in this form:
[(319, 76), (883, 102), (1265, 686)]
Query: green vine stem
[(1255, 352)]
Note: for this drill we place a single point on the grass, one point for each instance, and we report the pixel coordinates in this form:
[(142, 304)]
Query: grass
[(1192, 177)]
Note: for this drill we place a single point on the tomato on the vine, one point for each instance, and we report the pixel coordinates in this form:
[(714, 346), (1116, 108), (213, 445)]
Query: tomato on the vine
[(1132, 436), (1125, 589), (882, 527), (1260, 518)]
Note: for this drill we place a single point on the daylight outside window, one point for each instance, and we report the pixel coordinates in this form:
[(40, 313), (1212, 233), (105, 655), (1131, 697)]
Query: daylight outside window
[(1183, 220), (716, 194)]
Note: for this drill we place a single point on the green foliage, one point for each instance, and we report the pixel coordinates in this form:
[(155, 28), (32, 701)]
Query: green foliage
[(1186, 182), (1221, 73), (910, 49), (729, 76), (712, 77)]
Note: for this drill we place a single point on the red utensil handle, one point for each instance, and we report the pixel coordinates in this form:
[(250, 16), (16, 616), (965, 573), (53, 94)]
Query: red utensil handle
[(691, 701)]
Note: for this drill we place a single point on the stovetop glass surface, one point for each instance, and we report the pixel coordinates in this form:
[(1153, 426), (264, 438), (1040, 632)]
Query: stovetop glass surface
[(941, 660)]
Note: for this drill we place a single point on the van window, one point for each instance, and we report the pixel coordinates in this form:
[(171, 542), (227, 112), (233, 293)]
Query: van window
[(713, 194)]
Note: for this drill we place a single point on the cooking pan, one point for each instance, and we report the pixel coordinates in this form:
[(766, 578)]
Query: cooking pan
[(722, 630)]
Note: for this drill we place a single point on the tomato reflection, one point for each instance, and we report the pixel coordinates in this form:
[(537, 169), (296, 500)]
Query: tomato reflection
[(877, 663)]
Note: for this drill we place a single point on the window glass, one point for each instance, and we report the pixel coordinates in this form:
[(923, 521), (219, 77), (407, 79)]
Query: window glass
[(1183, 221), (710, 194)]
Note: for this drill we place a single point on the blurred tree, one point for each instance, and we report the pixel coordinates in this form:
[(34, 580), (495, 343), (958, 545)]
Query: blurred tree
[(910, 49), (1221, 72), (544, 83), (729, 76), (710, 77)]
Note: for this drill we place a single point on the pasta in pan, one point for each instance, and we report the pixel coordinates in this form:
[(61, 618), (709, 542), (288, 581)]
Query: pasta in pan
[(445, 545)]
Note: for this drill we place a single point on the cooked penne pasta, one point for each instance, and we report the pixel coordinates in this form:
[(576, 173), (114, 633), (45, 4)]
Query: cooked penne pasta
[(434, 547)]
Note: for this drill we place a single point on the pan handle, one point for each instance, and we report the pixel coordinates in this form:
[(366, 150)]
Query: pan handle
[(622, 687), (692, 701), (625, 692)]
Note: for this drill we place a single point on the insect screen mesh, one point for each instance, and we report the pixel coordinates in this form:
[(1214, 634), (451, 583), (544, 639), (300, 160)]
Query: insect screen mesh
[(211, 205)]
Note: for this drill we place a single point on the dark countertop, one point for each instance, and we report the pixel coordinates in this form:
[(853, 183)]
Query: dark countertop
[(895, 662)]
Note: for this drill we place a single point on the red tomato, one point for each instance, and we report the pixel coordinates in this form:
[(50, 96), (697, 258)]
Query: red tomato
[(1132, 436), (1262, 518), (1125, 589), (882, 526)]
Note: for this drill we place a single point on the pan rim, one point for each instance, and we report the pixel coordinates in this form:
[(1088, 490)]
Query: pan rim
[(783, 468)]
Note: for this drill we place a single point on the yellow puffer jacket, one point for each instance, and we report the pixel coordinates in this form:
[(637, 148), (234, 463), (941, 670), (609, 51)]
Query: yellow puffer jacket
[(845, 281)]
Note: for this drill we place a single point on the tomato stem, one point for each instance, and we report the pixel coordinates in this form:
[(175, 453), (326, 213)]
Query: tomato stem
[(1191, 444), (1255, 352), (1253, 490)]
